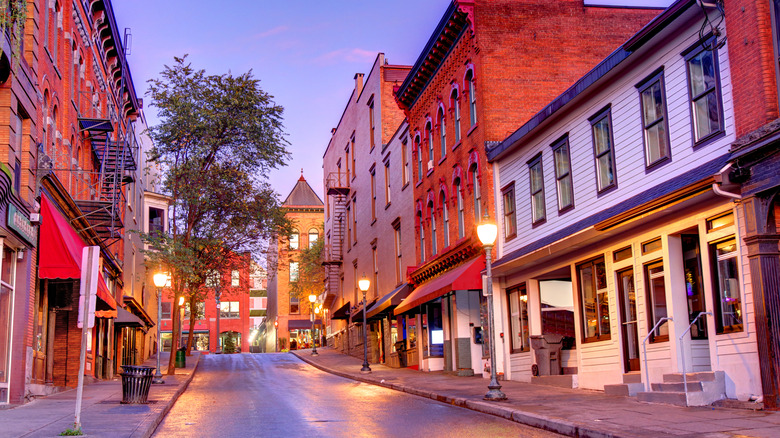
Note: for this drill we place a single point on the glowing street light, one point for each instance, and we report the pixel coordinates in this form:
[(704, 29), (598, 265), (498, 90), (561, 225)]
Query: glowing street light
[(160, 279), (312, 299), (487, 232), (364, 284)]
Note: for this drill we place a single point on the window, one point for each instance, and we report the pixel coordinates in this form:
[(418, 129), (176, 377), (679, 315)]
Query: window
[(235, 278), (477, 194), (459, 195), (375, 261), (654, 123), (442, 133), (429, 136), (156, 222), (432, 212), (419, 158), (470, 83), (728, 300), (349, 228), (314, 235), (295, 240), (703, 89), (656, 300), (57, 26), (563, 182), (537, 189), (354, 221), (212, 279), (387, 184), (373, 193), (518, 319), (355, 281), (652, 246), (422, 236), (445, 218), (200, 341), (456, 111), (295, 304), (371, 121), (405, 163), (200, 310), (166, 310), (622, 254), (510, 215), (352, 149), (594, 300), (399, 275), (346, 161), (293, 272), (603, 151), (722, 221)]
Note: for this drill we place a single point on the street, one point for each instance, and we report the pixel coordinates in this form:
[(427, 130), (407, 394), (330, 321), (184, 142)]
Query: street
[(276, 394)]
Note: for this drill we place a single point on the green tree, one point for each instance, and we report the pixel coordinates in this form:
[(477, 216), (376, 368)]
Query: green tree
[(218, 137), (311, 273)]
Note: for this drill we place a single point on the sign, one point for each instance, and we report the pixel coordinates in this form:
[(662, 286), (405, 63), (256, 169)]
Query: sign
[(90, 263), (20, 223)]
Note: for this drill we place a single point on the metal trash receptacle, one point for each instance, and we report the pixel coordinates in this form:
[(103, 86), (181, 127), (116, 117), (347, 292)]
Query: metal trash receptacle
[(181, 358), (136, 380), (547, 351)]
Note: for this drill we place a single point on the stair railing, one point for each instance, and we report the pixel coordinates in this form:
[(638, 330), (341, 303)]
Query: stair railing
[(644, 348), (682, 353)]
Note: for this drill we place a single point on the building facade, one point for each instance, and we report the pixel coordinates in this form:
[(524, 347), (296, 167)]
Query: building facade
[(368, 219), (487, 67)]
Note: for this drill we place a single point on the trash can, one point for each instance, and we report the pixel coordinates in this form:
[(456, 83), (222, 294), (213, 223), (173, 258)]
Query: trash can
[(547, 351), (400, 347), (136, 381), (181, 358)]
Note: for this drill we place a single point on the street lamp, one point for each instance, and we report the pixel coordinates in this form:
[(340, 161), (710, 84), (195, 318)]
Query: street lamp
[(181, 321), (160, 279), (312, 299), (487, 232), (363, 284)]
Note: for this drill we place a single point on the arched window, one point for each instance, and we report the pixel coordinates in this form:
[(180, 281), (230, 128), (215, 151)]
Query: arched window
[(429, 134), (53, 135), (472, 97), (314, 235), (294, 240), (419, 157), (459, 195), (445, 217), (477, 195), (442, 133), (46, 149), (456, 109), (422, 236), (432, 212)]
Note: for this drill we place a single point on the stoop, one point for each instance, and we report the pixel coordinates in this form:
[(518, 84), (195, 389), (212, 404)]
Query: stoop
[(704, 389)]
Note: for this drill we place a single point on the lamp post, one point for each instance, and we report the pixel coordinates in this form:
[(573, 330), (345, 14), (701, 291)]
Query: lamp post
[(363, 284), (181, 321), (160, 279), (312, 299), (487, 232)]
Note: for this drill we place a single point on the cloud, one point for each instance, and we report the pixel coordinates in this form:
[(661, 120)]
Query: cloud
[(346, 55), (275, 31)]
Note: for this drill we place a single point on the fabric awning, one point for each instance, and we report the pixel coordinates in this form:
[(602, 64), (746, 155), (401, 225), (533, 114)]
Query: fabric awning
[(467, 276), (358, 311), (301, 324), (389, 301), (60, 250), (127, 319), (342, 312)]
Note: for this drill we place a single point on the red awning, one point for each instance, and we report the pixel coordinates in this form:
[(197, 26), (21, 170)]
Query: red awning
[(467, 276), (60, 250)]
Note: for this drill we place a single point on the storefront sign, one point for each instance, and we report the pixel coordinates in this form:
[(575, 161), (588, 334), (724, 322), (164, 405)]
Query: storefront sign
[(20, 223)]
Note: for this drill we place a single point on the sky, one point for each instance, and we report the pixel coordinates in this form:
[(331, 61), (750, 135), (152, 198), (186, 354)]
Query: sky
[(305, 53)]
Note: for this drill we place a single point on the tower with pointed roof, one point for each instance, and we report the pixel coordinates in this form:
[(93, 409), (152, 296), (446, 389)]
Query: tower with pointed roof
[(289, 316)]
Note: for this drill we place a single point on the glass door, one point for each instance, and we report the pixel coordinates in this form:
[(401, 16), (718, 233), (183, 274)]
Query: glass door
[(7, 270), (629, 328)]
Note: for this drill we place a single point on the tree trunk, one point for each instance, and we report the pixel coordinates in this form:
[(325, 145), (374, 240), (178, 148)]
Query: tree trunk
[(176, 319), (193, 317)]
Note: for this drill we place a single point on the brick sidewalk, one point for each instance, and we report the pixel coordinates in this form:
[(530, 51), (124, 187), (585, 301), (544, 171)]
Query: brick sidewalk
[(102, 414), (573, 412)]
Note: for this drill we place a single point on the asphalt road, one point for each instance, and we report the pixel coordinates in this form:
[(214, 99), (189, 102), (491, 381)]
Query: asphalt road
[(277, 395)]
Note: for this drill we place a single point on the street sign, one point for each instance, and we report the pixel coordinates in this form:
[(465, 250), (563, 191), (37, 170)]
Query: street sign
[(90, 262)]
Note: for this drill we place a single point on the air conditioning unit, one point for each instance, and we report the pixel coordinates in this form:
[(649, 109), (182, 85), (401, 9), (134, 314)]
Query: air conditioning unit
[(430, 164), (35, 218)]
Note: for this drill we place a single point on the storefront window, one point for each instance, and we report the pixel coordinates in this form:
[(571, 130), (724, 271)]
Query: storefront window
[(435, 333), (200, 341), (728, 300), (6, 311), (518, 319), (228, 309), (167, 339), (594, 301), (656, 297), (557, 303)]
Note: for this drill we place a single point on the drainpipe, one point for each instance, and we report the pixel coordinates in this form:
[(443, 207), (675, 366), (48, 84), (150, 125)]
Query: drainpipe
[(720, 178)]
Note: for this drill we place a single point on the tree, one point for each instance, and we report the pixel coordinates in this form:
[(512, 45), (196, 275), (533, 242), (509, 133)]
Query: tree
[(218, 137), (311, 273)]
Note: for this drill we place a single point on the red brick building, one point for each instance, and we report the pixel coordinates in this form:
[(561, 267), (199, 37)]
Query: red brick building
[(487, 68)]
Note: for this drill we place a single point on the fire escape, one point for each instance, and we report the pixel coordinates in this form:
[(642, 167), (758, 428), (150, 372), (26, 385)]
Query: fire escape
[(337, 187)]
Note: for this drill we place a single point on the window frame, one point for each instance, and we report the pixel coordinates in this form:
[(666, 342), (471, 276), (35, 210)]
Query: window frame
[(455, 97), (434, 242), (418, 142), (313, 232), (372, 171), (398, 251), (720, 328), (476, 193), (604, 114), (235, 278), (294, 240), (445, 218), (533, 162), (557, 146), (644, 85), (429, 135), (460, 206), (510, 217), (600, 335), (405, 162), (521, 290), (372, 123), (650, 301), (294, 267), (387, 183), (442, 133), (472, 90), (689, 54)]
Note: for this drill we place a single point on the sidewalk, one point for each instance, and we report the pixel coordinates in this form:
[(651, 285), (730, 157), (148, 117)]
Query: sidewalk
[(573, 412), (102, 414)]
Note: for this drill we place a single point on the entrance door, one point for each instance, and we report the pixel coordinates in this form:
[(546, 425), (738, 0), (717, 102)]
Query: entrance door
[(629, 327), (693, 285)]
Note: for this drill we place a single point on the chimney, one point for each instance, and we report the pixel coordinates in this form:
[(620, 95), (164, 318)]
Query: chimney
[(358, 84)]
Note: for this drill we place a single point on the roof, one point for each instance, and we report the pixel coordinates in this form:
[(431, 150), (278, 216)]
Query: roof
[(592, 77), (302, 195)]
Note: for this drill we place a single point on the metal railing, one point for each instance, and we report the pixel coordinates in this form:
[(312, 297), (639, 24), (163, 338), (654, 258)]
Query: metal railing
[(644, 349), (682, 352)]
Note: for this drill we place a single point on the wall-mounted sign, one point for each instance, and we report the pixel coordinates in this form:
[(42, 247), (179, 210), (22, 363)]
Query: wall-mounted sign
[(20, 223)]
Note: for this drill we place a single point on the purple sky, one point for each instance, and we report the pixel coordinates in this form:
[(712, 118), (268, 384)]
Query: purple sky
[(305, 53)]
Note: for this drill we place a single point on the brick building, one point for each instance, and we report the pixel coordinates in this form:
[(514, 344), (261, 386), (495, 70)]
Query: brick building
[(368, 219), (288, 323), (487, 67)]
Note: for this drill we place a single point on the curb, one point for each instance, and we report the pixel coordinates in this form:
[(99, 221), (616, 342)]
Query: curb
[(149, 430), (556, 425)]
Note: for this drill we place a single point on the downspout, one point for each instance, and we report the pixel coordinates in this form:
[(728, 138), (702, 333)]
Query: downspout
[(719, 178)]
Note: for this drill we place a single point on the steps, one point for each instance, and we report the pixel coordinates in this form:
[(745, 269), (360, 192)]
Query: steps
[(560, 381), (704, 389), (632, 384)]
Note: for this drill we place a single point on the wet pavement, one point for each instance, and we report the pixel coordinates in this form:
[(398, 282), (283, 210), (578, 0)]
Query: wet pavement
[(276, 394)]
